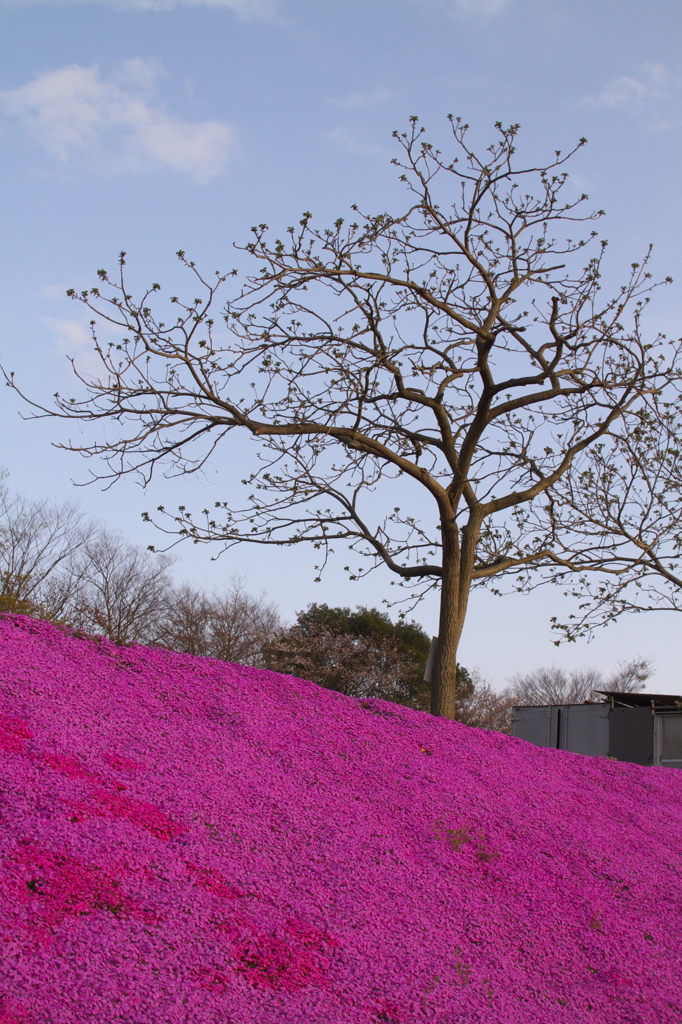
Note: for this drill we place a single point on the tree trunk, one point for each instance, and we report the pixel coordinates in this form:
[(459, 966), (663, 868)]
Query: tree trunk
[(452, 611), (458, 566)]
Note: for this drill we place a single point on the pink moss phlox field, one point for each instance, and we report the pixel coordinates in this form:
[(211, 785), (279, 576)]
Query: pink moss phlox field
[(184, 841)]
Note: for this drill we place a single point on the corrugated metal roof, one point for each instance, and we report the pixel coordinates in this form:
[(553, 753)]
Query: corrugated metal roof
[(643, 700)]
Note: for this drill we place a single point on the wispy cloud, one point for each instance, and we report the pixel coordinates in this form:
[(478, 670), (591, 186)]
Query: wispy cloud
[(114, 124), (350, 143), (654, 98), (470, 8), (484, 7), (73, 339), (247, 9), (361, 100), (72, 335)]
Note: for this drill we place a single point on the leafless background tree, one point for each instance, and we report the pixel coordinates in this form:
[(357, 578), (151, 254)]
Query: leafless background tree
[(80, 574), (232, 625), (556, 686), (483, 707), (121, 590), (457, 355), (40, 544), (56, 564), (487, 708)]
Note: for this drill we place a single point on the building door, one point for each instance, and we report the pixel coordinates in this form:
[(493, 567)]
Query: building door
[(668, 739)]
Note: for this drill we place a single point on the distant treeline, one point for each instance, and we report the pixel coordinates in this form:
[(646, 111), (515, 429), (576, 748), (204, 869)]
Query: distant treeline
[(58, 565)]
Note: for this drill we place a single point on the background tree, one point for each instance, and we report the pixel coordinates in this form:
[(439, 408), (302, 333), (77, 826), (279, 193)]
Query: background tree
[(40, 542), (408, 640), (487, 708), (55, 564), (458, 355), (358, 666), (233, 625), (361, 653), (482, 707), (120, 590), (556, 686)]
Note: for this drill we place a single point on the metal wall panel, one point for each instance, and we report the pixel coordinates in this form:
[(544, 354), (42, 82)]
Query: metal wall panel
[(597, 730), (584, 729), (538, 725), (632, 735)]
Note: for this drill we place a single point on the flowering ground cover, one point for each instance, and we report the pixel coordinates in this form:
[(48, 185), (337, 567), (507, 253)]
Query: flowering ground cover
[(184, 841)]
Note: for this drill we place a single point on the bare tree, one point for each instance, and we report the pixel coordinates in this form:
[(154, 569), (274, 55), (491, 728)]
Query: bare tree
[(185, 620), (56, 564), (556, 686), (40, 542), (483, 707), (120, 590), (458, 355), (232, 626), (621, 512)]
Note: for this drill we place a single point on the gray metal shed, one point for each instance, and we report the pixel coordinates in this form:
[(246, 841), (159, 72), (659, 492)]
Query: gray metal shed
[(643, 728)]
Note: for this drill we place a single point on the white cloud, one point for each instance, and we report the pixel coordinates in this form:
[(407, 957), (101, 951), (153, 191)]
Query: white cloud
[(246, 9), (113, 124), (53, 291), (655, 98), (72, 335), (73, 339), (582, 185)]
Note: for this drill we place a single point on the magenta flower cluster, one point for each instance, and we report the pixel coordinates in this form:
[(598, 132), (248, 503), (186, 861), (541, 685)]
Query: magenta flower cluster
[(184, 841)]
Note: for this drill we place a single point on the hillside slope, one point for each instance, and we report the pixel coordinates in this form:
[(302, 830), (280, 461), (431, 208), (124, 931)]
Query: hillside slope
[(184, 841)]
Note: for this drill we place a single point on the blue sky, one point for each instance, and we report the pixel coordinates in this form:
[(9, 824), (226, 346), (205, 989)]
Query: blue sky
[(154, 126)]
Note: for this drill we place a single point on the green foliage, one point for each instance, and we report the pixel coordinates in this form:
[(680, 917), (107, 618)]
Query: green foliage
[(10, 604), (11, 599), (411, 640)]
